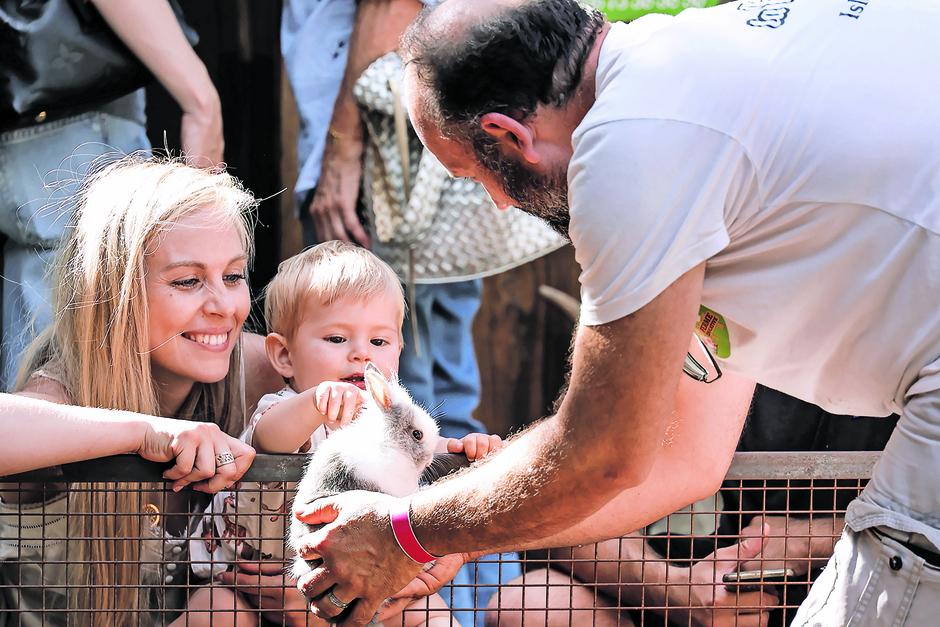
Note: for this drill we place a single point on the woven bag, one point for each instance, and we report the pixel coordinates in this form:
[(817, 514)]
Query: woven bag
[(430, 227)]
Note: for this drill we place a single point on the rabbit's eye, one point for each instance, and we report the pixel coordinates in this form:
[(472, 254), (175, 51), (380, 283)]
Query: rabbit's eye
[(417, 435)]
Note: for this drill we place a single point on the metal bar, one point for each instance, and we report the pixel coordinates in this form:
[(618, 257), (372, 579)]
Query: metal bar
[(614, 567), (133, 468), (829, 465), (763, 465)]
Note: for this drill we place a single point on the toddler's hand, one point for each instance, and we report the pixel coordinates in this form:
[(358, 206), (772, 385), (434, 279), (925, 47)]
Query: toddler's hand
[(475, 445), (338, 402)]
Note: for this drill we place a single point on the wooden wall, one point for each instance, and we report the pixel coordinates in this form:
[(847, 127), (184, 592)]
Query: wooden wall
[(522, 340)]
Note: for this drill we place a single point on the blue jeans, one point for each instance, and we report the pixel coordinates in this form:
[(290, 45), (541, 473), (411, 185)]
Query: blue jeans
[(440, 368), (40, 168)]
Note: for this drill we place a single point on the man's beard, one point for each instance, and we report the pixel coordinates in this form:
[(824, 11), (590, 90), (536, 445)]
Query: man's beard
[(544, 196)]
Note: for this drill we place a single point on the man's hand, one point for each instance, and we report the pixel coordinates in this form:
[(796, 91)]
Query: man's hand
[(266, 587), (711, 603), (361, 559), (797, 543), (377, 27), (425, 584), (195, 447)]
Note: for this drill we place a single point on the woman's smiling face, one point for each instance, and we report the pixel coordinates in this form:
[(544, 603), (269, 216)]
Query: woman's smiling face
[(198, 301)]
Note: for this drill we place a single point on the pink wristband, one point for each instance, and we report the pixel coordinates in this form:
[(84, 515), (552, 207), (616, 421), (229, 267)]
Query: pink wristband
[(405, 535)]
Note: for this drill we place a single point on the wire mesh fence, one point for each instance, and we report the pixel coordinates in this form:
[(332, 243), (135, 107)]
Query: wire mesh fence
[(107, 534)]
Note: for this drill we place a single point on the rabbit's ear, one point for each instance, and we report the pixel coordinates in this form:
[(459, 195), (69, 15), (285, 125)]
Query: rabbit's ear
[(377, 385)]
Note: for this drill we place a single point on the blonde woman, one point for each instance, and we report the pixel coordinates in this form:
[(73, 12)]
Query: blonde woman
[(149, 304)]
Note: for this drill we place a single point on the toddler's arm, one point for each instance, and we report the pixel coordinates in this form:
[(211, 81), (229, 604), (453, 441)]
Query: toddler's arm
[(474, 445), (287, 425)]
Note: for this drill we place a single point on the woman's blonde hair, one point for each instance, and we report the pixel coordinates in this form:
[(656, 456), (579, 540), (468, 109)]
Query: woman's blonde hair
[(329, 272), (97, 348)]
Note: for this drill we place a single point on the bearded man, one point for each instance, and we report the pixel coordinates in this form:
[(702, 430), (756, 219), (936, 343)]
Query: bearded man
[(764, 173)]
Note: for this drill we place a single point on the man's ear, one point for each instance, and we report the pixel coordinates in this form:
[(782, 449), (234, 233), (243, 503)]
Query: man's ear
[(275, 345), (514, 136)]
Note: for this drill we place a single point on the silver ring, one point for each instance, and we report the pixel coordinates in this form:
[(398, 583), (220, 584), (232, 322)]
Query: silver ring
[(224, 458), (332, 599)]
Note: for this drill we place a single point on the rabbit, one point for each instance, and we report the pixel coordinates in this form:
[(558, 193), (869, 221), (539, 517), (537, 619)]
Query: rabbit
[(386, 448)]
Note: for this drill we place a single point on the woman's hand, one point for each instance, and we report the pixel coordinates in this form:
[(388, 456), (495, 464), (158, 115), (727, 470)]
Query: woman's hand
[(201, 452), (153, 34), (201, 135), (267, 587)]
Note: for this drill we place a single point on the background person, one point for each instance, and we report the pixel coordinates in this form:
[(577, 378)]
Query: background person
[(685, 213), (43, 161)]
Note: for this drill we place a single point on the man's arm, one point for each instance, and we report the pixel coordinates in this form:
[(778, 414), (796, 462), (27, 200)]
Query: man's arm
[(376, 31), (619, 420), (701, 439), (150, 29), (621, 433)]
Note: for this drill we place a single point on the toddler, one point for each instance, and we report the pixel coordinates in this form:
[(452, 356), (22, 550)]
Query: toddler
[(329, 311)]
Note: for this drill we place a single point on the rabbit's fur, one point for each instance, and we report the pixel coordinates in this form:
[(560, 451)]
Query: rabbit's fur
[(378, 451)]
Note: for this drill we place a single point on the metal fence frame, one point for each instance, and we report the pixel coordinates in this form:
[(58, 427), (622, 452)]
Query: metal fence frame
[(800, 468)]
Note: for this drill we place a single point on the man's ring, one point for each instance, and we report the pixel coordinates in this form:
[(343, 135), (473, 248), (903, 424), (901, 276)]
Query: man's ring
[(332, 598), (224, 458)]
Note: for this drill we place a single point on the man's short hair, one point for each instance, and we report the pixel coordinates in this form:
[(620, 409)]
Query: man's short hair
[(328, 272), (509, 62)]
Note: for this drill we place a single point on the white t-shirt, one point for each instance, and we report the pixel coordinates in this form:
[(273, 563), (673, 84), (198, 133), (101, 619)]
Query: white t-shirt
[(793, 144)]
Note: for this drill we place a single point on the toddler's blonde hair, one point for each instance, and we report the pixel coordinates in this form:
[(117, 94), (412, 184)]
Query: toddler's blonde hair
[(328, 272)]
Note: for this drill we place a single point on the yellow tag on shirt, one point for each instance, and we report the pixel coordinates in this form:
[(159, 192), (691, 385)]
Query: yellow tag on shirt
[(712, 329)]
